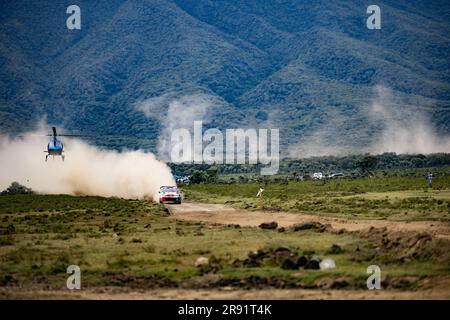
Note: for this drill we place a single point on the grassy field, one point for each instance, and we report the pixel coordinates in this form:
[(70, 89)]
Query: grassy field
[(137, 244), (396, 198)]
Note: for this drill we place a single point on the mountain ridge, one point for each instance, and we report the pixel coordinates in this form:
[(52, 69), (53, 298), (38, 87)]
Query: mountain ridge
[(292, 65)]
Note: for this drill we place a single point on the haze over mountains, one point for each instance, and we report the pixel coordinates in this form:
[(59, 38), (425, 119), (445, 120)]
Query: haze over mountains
[(310, 68)]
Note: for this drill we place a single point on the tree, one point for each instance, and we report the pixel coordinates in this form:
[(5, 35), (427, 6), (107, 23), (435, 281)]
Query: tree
[(212, 174), (199, 177), (17, 188), (366, 163)]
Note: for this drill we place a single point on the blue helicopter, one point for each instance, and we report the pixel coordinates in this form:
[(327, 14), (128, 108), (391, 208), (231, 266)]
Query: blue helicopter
[(55, 147)]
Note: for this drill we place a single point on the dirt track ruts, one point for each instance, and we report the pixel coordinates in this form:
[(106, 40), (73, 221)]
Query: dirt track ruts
[(224, 214)]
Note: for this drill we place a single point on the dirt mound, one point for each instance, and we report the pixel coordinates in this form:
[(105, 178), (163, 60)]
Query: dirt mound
[(311, 225), (269, 225), (407, 246), (283, 257)]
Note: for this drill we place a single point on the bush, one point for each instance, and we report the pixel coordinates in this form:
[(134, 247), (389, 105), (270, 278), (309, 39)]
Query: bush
[(16, 188), (199, 177)]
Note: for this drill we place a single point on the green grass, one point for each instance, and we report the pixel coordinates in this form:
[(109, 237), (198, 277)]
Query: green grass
[(137, 244), (396, 198)]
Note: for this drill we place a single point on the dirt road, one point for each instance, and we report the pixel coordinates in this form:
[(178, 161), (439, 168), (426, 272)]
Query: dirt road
[(223, 214), (225, 293)]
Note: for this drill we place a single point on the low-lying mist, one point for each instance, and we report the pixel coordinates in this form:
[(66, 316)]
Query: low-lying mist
[(87, 170)]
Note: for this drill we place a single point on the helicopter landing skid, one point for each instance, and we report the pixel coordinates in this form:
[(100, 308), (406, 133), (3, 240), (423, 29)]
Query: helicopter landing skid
[(53, 157)]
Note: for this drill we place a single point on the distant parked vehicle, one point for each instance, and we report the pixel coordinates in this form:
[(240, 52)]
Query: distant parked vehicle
[(317, 176), (336, 175), (169, 194), (183, 181)]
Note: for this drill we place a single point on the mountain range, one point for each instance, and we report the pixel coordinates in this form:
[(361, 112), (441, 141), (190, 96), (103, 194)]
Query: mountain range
[(311, 68)]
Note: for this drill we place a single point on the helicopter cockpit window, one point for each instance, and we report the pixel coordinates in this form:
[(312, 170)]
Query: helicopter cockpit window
[(55, 144)]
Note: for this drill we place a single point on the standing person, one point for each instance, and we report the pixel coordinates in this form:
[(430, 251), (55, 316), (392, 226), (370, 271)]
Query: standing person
[(260, 192), (430, 180)]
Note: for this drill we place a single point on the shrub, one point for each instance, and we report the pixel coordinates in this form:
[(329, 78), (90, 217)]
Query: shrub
[(16, 188)]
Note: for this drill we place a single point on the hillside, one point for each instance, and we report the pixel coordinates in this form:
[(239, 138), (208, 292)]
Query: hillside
[(311, 69)]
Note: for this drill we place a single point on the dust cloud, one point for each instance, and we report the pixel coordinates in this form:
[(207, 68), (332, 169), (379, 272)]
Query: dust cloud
[(385, 124), (175, 112), (87, 170), (403, 131)]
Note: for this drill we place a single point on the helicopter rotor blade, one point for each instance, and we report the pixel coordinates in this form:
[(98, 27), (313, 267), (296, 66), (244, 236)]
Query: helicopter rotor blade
[(55, 134), (33, 135), (74, 135)]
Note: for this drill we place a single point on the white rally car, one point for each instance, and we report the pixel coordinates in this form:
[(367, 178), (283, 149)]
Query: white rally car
[(169, 194)]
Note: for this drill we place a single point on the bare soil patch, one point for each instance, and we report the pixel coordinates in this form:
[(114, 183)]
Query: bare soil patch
[(224, 214)]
